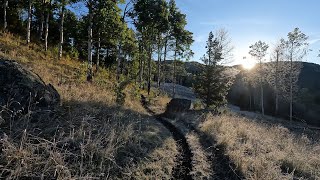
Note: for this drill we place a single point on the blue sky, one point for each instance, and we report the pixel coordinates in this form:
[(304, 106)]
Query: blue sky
[(248, 21)]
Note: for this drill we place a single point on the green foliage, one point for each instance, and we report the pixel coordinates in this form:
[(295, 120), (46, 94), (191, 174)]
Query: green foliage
[(259, 50), (182, 37), (74, 53), (211, 85), (120, 95), (159, 27), (197, 105)]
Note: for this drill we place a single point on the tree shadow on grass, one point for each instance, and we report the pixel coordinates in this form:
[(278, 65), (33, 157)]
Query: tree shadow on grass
[(85, 139)]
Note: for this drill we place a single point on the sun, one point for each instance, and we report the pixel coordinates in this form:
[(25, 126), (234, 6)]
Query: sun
[(248, 64)]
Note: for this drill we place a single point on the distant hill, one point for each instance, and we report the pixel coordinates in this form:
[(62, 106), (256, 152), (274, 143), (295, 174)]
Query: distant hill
[(306, 107), (191, 67), (310, 77)]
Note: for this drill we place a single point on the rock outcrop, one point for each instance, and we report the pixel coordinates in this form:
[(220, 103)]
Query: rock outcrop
[(178, 105), (22, 90)]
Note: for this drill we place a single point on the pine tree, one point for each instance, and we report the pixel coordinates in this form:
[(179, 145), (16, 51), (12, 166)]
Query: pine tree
[(5, 6), (259, 51), (211, 85), (29, 21), (296, 48)]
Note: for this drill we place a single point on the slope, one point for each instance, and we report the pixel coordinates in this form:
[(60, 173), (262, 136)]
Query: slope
[(89, 136)]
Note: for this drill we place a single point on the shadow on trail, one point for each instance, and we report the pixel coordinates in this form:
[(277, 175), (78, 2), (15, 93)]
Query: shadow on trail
[(222, 165), (182, 171), (224, 168)]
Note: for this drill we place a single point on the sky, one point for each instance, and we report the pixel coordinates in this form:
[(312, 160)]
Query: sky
[(249, 21)]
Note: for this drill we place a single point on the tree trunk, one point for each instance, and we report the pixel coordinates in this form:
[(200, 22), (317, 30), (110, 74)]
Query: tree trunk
[(61, 29), (261, 87), (159, 61), (89, 73), (164, 58), (98, 53), (140, 65), (42, 20), (291, 85), (250, 102), (41, 26), (29, 21), (5, 6), (277, 84), (174, 73), (46, 31), (119, 62), (250, 97), (149, 69), (262, 101)]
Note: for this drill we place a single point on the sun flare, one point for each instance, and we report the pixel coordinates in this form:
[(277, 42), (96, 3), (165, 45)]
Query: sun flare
[(248, 64)]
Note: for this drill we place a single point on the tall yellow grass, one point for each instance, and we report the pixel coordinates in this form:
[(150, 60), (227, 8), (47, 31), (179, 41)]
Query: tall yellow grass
[(264, 151)]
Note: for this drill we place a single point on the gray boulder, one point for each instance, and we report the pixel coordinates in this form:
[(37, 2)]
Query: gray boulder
[(178, 105), (22, 90)]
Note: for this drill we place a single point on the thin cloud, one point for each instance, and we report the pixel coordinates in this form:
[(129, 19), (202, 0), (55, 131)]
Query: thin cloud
[(314, 41), (245, 21), (200, 38)]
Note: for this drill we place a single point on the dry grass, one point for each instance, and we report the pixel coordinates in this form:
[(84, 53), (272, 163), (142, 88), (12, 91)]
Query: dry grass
[(201, 164), (263, 151), (89, 136), (201, 161), (158, 104), (158, 164)]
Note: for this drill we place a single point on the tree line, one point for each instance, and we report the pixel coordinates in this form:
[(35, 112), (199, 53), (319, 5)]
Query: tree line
[(282, 74), (135, 40)]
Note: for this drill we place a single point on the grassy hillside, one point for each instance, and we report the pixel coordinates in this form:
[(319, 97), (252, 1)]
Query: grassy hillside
[(260, 149), (264, 151), (89, 136)]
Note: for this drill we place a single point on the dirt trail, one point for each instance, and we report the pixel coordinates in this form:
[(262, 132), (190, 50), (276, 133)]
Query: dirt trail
[(223, 167), (182, 170)]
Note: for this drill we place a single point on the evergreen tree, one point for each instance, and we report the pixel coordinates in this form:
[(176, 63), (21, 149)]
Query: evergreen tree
[(296, 48), (259, 51), (181, 38), (211, 85), (147, 16), (29, 21)]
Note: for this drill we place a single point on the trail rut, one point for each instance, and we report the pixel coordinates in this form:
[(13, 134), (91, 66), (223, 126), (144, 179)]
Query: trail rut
[(183, 169), (222, 166)]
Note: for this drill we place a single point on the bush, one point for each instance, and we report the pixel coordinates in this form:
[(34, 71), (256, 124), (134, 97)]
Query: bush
[(120, 95)]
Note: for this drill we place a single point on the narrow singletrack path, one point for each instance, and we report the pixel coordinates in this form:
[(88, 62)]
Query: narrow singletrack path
[(183, 169), (222, 165)]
